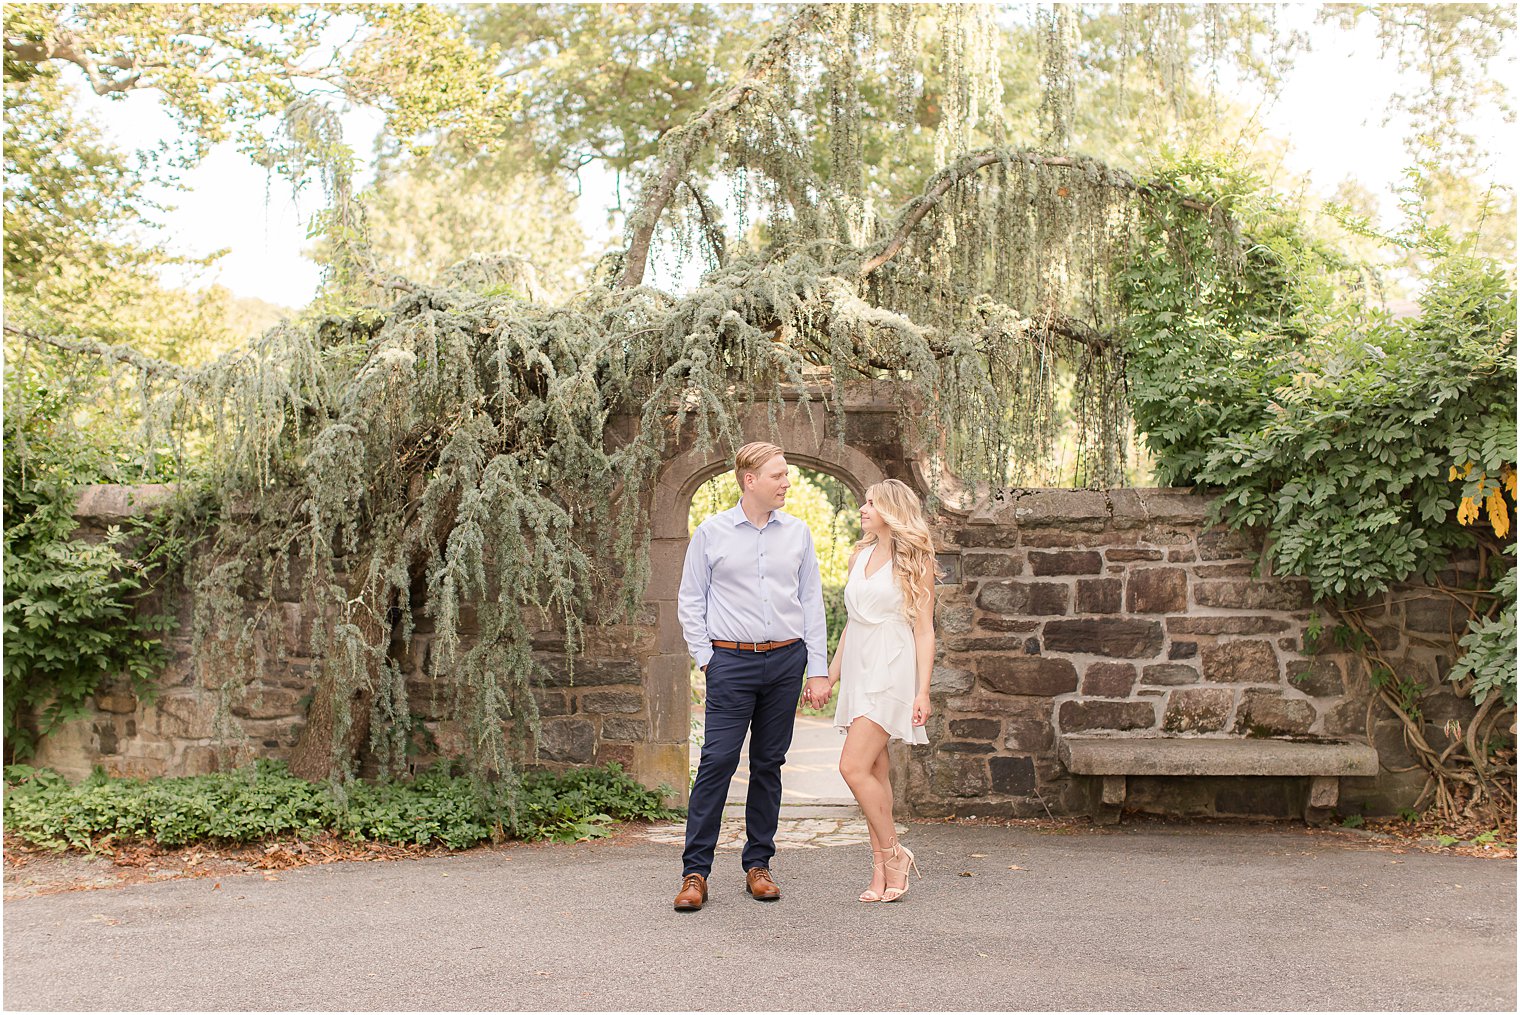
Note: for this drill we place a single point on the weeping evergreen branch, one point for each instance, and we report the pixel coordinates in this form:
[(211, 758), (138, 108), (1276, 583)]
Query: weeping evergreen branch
[(477, 464)]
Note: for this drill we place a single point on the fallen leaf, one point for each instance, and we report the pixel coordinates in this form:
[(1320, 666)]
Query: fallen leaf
[(216, 886), (978, 856), (1016, 867), (967, 874), (270, 877)]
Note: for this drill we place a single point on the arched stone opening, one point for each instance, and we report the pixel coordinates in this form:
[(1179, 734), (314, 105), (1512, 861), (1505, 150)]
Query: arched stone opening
[(869, 452)]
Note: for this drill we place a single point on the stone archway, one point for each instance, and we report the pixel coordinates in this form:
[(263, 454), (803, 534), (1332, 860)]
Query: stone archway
[(872, 449)]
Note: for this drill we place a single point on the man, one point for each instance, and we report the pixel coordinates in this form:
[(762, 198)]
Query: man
[(751, 607)]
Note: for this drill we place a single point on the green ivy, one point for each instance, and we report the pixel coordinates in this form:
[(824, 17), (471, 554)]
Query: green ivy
[(71, 617), (264, 800), (1350, 437)]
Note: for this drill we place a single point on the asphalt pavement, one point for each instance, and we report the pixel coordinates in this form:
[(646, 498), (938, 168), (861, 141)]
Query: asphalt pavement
[(1145, 916)]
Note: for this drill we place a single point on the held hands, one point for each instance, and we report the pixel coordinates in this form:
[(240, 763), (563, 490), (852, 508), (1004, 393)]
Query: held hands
[(817, 690), (921, 710)]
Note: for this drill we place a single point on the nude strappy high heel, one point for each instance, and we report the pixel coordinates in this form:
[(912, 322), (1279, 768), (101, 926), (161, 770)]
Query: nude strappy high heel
[(893, 894), (868, 895)]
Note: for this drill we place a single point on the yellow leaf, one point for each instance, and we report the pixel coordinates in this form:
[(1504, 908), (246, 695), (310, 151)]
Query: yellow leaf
[(1509, 480), (1461, 471), (1467, 511), (1498, 514)]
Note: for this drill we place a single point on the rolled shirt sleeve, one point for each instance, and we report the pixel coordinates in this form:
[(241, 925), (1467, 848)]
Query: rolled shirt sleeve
[(691, 604)]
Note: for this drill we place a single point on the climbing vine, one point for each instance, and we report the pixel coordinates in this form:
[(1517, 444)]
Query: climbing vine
[(1361, 444)]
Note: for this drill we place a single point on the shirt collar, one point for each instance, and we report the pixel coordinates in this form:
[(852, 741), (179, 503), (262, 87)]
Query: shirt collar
[(737, 517)]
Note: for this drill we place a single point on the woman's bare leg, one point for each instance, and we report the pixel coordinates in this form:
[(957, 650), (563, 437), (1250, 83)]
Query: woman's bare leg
[(863, 763)]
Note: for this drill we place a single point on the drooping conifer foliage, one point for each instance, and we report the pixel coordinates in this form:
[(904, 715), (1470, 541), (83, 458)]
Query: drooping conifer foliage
[(463, 449)]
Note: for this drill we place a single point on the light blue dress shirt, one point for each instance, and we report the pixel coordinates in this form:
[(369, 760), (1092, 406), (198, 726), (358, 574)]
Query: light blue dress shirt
[(742, 583)]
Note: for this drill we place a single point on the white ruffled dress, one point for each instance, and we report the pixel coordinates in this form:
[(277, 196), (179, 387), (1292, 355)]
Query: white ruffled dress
[(877, 673)]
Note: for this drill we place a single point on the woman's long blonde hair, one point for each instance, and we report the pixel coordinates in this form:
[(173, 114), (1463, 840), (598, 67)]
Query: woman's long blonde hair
[(912, 544)]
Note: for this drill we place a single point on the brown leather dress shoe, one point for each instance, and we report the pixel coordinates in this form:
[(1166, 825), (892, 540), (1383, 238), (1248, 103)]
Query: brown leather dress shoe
[(693, 892), (758, 882)]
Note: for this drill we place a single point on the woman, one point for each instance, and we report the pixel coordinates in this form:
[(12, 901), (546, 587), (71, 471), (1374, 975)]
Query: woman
[(883, 663)]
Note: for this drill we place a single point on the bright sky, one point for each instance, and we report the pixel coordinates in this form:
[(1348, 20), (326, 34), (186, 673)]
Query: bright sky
[(1331, 110)]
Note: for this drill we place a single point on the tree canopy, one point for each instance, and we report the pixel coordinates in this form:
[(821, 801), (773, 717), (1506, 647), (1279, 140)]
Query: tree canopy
[(897, 192)]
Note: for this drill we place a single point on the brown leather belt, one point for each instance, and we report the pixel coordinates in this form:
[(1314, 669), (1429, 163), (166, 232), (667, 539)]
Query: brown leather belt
[(755, 646)]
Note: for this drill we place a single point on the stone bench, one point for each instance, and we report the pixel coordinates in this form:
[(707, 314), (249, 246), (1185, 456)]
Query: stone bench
[(1114, 758)]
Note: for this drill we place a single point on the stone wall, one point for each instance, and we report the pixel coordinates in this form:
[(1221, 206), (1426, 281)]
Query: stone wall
[(1062, 611), (1077, 611)]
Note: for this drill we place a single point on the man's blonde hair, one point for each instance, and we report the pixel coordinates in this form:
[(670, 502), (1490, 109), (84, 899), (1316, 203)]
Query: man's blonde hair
[(751, 457)]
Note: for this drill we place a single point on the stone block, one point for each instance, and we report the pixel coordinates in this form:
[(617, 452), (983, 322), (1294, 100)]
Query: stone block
[(1241, 662), (985, 703), (1129, 554), (958, 776), (588, 672), (991, 564), (269, 703), (1157, 590), (1267, 713), (1066, 510), (197, 759), (663, 767), (605, 702), (1238, 569), (1108, 680), (976, 729), (1029, 733), (1182, 650), (669, 638), (550, 703), (1198, 710), (117, 700), (667, 690), (951, 616), (1040, 599), (949, 565), (183, 716), (964, 747), (988, 535), (1224, 625), (1319, 677), (1027, 675), (1220, 543), (1117, 637), (1247, 594), (1168, 674), (1099, 595), (1434, 614), (998, 622), (1059, 562), (1012, 776), (950, 680), (571, 740), (988, 643), (1348, 718), (1107, 715), (617, 727), (621, 754), (1180, 556)]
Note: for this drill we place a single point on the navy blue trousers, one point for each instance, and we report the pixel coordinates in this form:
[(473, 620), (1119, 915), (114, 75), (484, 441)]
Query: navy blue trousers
[(754, 692)]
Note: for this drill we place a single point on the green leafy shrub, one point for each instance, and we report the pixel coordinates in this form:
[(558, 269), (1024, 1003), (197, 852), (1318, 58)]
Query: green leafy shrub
[(264, 801), (1364, 446), (71, 620)]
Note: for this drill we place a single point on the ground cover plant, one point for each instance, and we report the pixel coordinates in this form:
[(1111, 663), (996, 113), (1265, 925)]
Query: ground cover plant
[(264, 801)]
